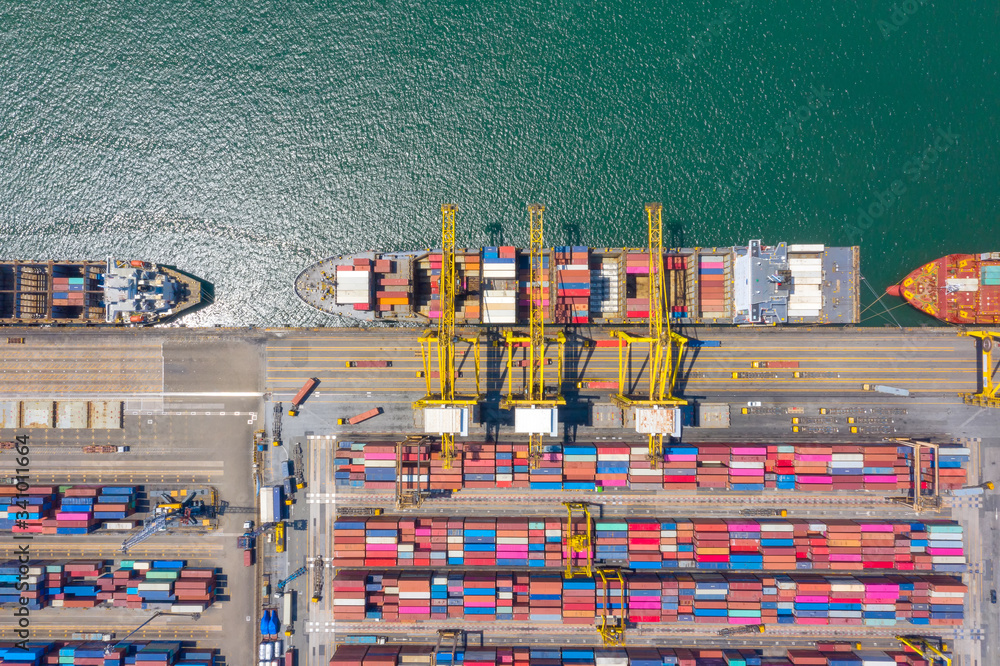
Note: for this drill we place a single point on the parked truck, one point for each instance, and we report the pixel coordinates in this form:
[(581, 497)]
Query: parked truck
[(595, 384), (270, 504), (890, 390), (301, 396), (363, 416), (105, 448), (774, 364)]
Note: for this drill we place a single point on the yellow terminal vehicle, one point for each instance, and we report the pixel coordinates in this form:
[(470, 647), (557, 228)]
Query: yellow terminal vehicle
[(279, 537)]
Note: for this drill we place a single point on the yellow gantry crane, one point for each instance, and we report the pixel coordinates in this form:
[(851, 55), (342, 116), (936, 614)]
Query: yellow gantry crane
[(579, 542), (536, 410), (446, 413), (935, 654), (989, 393), (656, 414), (612, 627)]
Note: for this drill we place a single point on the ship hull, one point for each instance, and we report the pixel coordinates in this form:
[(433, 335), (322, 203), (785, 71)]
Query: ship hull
[(739, 285), (957, 288), (94, 293)]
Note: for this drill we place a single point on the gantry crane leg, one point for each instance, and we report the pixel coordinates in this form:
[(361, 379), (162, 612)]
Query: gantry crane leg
[(989, 391)]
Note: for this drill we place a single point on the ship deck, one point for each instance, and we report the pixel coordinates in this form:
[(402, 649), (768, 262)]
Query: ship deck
[(704, 286)]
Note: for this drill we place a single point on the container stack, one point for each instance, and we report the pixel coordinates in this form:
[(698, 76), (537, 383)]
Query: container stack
[(392, 293), (579, 467), (68, 291), (499, 300), (613, 465), (604, 286), (637, 266), (77, 653), (479, 466), (32, 584), (157, 585), (823, 654), (549, 473), (806, 297), (469, 270), (725, 598), (573, 284), (380, 466), (712, 286), (349, 595), (676, 268), (65, 509), (524, 285), (168, 585), (876, 468), (700, 543), (354, 285)]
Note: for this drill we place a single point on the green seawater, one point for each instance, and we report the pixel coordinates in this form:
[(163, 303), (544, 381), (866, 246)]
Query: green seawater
[(243, 140)]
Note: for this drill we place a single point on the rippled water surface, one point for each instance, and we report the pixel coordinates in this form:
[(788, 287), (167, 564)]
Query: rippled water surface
[(243, 140)]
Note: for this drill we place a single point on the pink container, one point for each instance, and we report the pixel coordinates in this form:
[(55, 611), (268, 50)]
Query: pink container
[(414, 609), (380, 546), (875, 528), (880, 478), (743, 620), (749, 451), (953, 552), (66, 515), (814, 479)]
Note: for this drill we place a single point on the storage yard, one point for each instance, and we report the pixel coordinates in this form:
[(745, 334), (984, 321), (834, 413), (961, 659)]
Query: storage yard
[(784, 525)]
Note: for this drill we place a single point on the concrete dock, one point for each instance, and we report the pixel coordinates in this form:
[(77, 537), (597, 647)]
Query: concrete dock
[(193, 400)]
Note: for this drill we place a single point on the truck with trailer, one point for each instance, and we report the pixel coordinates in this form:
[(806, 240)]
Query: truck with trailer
[(889, 390), (774, 364), (301, 396), (368, 364), (363, 416), (270, 504)]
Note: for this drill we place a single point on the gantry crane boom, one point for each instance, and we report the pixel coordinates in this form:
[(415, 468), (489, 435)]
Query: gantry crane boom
[(541, 404), (934, 654), (666, 348), (449, 416)]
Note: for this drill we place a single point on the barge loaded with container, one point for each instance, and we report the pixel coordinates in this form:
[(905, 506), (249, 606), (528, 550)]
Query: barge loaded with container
[(112, 292), (749, 284), (957, 288)]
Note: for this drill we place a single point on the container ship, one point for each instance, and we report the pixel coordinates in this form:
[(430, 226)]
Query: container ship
[(749, 284), (957, 288), (111, 292)]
